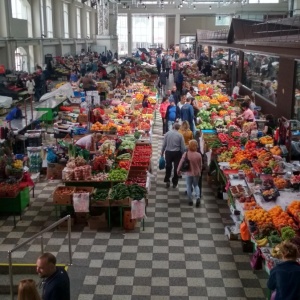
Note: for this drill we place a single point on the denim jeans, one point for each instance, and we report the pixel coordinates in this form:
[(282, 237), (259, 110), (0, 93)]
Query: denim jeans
[(192, 181), (170, 125)]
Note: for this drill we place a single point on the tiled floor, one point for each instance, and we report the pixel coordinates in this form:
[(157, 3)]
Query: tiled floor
[(182, 254)]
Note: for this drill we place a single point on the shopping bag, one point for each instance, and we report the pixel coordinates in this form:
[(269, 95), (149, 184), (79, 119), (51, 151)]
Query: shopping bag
[(138, 209), (162, 163), (245, 234), (81, 202), (256, 260)]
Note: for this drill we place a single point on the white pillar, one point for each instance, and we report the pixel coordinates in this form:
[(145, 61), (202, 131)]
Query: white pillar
[(58, 24), (177, 29), (152, 33), (93, 23), (83, 22), (4, 18), (129, 28), (72, 21), (36, 20), (103, 18), (114, 19)]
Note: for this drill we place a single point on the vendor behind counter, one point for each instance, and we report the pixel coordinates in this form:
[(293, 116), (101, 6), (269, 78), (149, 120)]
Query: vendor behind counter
[(89, 142)]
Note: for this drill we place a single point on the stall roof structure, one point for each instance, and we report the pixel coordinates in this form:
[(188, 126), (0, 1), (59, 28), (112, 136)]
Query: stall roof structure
[(280, 36)]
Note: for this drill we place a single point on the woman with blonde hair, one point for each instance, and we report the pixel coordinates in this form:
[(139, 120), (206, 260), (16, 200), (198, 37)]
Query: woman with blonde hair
[(194, 172), (186, 132), (27, 290), (285, 277)]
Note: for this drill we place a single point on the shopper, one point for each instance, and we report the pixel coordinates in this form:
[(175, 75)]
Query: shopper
[(55, 281), (175, 94), (182, 101), (186, 132), (163, 81), (187, 113), (30, 84), (172, 115), (247, 114), (145, 102), (168, 65), (27, 290), (89, 142), (158, 64), (163, 110), (173, 66), (285, 277), (194, 173), (179, 81), (73, 77), (173, 147)]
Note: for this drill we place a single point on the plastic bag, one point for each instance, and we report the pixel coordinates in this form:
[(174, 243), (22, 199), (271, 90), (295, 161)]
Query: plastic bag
[(245, 233), (256, 260), (162, 163), (51, 156), (138, 209), (81, 202)]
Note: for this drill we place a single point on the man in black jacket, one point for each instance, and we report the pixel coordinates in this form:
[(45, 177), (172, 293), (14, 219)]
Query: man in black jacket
[(55, 281)]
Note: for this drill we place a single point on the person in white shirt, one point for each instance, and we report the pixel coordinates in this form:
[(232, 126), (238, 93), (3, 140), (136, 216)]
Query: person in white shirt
[(236, 90), (88, 142)]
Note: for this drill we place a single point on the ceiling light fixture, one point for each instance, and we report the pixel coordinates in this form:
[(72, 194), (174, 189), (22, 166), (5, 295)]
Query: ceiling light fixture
[(210, 7), (184, 18), (194, 6), (180, 4)]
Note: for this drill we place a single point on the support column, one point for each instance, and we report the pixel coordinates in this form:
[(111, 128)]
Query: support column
[(152, 33), (129, 28), (103, 38), (177, 30), (36, 19), (72, 21), (296, 7), (83, 22), (4, 18), (58, 25)]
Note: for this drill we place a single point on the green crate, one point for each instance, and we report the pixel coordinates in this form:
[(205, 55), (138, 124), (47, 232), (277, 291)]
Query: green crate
[(15, 205)]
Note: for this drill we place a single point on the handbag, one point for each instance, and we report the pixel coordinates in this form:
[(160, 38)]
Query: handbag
[(256, 260), (186, 164), (161, 163)]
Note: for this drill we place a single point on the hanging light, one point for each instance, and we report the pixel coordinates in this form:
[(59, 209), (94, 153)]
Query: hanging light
[(194, 6), (184, 19), (210, 7), (180, 4)]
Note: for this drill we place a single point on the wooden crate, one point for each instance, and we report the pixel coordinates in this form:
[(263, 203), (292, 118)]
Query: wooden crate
[(63, 199)]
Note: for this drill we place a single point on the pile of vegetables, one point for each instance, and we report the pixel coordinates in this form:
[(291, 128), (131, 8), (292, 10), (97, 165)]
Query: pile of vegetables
[(117, 175), (121, 191)]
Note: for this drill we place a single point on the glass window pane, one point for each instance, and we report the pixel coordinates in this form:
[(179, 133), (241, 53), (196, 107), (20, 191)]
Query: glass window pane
[(122, 33), (88, 24), (261, 74), (78, 23), (49, 18), (66, 20)]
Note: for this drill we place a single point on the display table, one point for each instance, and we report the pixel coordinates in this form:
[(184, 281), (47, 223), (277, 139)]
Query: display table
[(49, 107), (18, 125), (15, 206)]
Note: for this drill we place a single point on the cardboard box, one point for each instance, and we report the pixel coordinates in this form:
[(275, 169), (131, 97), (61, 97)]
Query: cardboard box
[(100, 203), (82, 118), (97, 222), (128, 223), (123, 202), (84, 189), (60, 199), (54, 170)]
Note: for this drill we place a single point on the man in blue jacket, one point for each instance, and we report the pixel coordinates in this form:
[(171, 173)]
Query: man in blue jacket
[(187, 113), (15, 113), (55, 281)]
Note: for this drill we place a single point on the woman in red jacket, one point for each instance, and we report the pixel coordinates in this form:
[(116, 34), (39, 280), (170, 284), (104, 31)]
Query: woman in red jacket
[(163, 109)]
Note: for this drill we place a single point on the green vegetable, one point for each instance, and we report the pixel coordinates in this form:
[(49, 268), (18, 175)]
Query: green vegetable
[(117, 175), (287, 233), (100, 194), (124, 156), (119, 191), (137, 192)]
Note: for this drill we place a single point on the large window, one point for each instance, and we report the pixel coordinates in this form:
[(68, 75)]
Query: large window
[(18, 9), (88, 24), (223, 20), (260, 74), (49, 18), (78, 24), (122, 32), (141, 32), (159, 34), (66, 20)]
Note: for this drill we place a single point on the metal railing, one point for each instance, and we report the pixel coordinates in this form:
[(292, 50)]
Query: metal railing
[(39, 234)]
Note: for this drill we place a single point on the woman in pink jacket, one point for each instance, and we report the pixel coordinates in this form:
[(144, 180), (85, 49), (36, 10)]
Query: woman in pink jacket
[(163, 109), (192, 176)]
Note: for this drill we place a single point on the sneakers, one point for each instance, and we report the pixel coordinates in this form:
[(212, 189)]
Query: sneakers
[(198, 202), (174, 186), (167, 185)]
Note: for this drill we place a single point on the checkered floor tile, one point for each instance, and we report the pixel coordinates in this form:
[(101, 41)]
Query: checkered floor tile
[(182, 254)]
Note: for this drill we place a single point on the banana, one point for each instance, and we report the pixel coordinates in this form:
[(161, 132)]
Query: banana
[(261, 243)]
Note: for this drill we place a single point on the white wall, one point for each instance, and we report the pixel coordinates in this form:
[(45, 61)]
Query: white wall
[(50, 50), (66, 49)]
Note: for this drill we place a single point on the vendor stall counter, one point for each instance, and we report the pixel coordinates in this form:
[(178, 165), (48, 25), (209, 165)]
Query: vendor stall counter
[(15, 206), (19, 125), (50, 107)]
